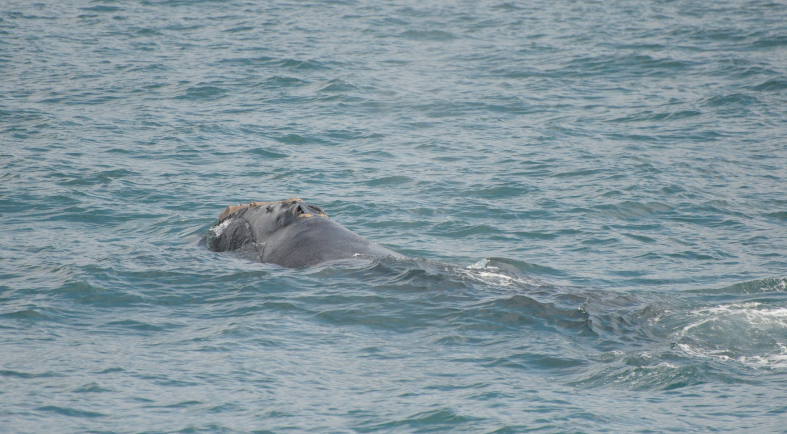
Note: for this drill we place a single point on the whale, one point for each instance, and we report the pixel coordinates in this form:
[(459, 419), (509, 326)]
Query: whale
[(289, 233)]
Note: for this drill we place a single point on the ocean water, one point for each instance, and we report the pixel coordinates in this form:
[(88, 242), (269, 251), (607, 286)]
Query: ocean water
[(592, 199)]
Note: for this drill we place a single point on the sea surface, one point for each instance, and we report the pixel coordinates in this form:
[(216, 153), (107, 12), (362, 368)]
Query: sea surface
[(592, 199)]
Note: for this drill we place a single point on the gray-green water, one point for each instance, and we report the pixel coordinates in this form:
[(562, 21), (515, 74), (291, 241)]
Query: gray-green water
[(593, 195)]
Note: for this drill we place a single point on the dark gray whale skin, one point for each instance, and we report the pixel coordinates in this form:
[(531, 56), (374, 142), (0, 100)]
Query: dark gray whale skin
[(290, 233)]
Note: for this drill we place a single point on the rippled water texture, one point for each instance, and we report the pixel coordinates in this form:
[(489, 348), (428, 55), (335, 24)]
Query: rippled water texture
[(592, 198)]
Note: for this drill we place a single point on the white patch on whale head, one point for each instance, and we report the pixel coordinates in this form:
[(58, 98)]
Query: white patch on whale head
[(219, 228)]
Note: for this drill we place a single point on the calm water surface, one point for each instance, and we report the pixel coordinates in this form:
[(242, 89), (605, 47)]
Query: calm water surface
[(592, 197)]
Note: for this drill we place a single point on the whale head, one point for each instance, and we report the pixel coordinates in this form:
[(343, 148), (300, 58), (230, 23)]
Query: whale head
[(290, 233), (236, 222)]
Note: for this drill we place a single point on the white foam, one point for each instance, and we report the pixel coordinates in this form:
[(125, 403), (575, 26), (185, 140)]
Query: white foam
[(737, 320), (749, 311), (489, 274), (772, 361), (481, 265)]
